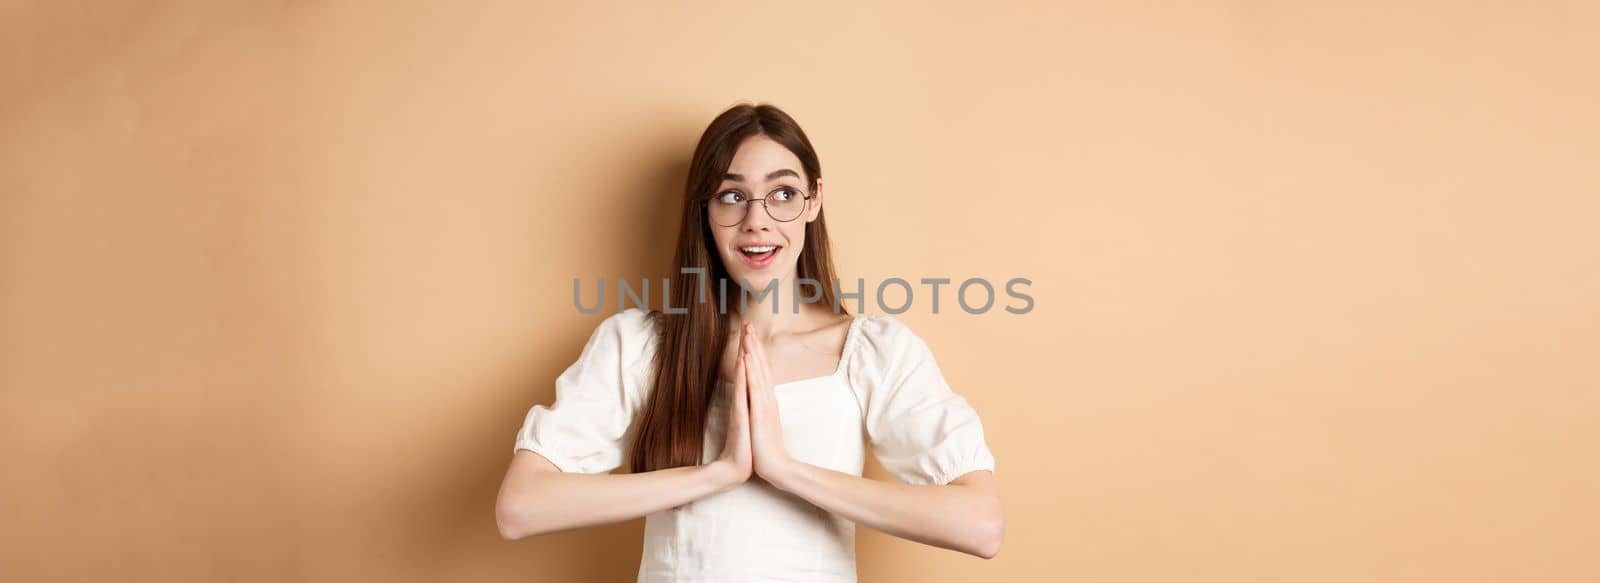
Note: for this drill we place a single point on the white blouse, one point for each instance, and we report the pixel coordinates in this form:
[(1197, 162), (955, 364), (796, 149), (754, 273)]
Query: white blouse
[(887, 393)]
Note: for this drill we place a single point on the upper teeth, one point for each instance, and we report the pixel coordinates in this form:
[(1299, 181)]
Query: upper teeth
[(762, 249)]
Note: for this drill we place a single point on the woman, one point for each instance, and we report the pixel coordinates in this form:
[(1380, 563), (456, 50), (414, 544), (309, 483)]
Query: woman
[(746, 426)]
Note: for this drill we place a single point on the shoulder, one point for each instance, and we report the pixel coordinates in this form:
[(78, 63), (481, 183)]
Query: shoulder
[(632, 322), (631, 333), (891, 364), (883, 333), (884, 344)]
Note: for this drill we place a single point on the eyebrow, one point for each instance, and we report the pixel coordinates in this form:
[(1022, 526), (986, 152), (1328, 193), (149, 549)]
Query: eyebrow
[(771, 176)]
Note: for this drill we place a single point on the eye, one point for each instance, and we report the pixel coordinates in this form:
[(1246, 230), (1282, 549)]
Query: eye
[(785, 194), (730, 197)]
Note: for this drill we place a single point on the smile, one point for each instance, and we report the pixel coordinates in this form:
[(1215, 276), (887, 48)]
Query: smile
[(758, 256)]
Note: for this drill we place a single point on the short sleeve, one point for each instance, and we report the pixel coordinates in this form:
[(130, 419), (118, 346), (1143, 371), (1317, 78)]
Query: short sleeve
[(920, 429), (586, 429)]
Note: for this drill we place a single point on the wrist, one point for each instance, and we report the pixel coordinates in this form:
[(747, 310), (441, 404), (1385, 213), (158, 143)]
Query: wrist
[(781, 474), (722, 475)]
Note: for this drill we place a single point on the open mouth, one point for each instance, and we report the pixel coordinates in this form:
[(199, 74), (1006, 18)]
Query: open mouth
[(758, 256)]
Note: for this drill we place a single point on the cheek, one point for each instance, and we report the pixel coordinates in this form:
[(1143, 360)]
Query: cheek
[(795, 234), (719, 238)]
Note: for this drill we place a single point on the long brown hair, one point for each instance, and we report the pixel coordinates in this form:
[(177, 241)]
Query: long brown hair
[(689, 346)]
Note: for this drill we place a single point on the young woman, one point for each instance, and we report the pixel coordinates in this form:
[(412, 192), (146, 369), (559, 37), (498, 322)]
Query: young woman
[(746, 429)]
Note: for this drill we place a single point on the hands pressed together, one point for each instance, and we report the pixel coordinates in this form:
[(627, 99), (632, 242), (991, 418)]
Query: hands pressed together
[(755, 434), (961, 517)]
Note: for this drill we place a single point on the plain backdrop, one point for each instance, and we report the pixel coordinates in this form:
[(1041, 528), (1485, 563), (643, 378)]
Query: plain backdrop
[(1317, 286)]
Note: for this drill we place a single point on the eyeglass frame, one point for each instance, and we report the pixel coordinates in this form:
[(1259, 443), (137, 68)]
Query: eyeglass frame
[(806, 196)]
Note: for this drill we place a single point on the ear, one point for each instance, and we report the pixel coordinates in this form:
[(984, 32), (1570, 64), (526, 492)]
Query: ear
[(816, 203)]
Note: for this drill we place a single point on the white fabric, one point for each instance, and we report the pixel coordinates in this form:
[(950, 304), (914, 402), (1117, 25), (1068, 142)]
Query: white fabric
[(887, 394)]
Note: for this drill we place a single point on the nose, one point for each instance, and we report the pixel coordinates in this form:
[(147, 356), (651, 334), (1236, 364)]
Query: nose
[(755, 217)]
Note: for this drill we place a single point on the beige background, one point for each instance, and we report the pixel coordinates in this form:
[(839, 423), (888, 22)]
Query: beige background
[(1318, 289)]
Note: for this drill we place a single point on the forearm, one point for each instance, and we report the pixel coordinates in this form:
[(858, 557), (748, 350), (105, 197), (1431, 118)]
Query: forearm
[(557, 501), (951, 516)]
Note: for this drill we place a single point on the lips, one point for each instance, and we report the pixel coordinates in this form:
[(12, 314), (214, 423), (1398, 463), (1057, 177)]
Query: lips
[(759, 255)]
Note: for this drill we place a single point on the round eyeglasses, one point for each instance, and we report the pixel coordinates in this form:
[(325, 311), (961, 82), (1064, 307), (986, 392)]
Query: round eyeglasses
[(728, 208)]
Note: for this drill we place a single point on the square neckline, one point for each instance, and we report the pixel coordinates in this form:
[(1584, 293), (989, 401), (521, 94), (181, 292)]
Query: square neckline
[(844, 357)]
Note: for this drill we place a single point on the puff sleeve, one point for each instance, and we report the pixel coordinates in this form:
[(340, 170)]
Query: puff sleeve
[(596, 399), (920, 429)]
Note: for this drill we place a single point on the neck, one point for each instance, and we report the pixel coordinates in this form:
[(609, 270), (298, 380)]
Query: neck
[(773, 313)]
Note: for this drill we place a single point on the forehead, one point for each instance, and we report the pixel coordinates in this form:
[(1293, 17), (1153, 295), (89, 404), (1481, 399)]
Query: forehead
[(759, 155)]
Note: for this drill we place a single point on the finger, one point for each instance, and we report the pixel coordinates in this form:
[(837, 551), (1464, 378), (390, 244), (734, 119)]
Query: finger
[(752, 384), (754, 390), (760, 354), (769, 393), (743, 346), (759, 348), (741, 393), (746, 345), (740, 416), (753, 347)]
